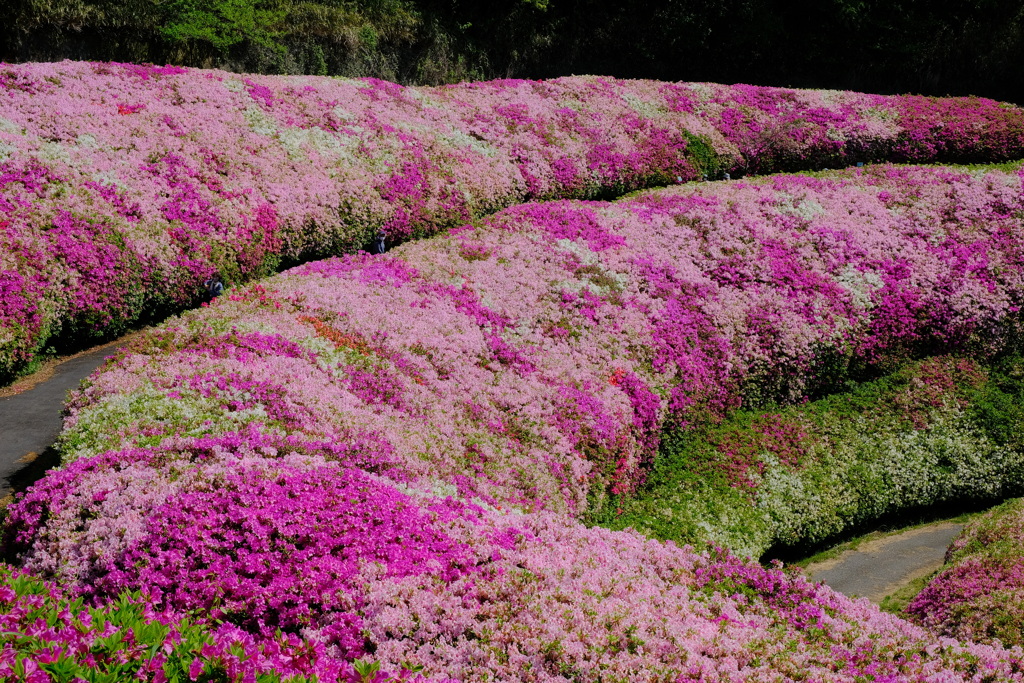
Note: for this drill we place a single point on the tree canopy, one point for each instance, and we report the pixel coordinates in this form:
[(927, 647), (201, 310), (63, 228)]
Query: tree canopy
[(934, 47)]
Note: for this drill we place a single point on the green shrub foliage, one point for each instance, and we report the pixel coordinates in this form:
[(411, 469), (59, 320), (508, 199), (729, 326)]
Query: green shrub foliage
[(941, 431)]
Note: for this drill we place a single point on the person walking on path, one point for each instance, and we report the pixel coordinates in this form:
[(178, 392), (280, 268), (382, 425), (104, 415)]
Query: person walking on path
[(214, 287)]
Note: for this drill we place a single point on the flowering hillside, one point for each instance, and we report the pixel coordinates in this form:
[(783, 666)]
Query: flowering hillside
[(978, 594), (123, 187), (389, 456), (564, 333)]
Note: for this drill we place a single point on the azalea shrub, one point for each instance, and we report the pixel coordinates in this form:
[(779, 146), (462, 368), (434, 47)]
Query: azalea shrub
[(266, 544), (46, 635), (535, 360), (123, 187), (500, 595), (978, 593), (394, 457)]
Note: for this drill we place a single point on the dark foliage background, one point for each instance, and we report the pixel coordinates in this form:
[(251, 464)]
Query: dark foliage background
[(933, 47)]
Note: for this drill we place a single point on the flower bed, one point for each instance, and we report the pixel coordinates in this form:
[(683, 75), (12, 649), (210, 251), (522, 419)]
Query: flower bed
[(935, 433), (562, 333), (535, 359), (484, 388), (123, 187), (978, 594), (47, 636), (534, 597)]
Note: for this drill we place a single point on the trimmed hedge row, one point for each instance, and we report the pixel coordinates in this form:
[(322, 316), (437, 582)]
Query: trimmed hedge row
[(123, 187)]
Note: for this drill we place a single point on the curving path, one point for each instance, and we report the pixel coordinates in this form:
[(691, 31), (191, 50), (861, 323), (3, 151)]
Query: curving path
[(30, 416), (878, 568)]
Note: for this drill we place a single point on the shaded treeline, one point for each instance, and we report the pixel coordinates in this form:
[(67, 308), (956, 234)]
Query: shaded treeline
[(934, 47)]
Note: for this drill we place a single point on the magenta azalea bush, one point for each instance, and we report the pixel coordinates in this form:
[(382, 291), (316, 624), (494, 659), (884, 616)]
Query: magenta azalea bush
[(390, 457), (123, 187), (979, 593), (47, 636)]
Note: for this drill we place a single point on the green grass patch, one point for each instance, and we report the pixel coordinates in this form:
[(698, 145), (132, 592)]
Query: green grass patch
[(897, 602)]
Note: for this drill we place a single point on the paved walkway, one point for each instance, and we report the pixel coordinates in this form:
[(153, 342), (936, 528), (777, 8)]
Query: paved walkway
[(30, 416), (879, 568)]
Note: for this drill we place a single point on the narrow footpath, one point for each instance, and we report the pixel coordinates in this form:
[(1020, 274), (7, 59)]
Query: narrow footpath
[(880, 567), (30, 415)]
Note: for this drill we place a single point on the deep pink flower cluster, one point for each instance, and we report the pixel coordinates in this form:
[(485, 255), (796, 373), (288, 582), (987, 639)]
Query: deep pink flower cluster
[(382, 455), (286, 548), (46, 636), (234, 530), (122, 187)]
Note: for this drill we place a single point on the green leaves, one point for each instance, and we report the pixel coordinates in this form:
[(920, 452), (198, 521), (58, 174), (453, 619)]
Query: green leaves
[(225, 23)]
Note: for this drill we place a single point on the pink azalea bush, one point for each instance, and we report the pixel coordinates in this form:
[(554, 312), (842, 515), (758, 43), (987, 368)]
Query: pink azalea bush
[(389, 457), (979, 593), (123, 187), (781, 129), (539, 598)]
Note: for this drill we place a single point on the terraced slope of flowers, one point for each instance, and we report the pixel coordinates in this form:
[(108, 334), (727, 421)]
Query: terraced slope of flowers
[(979, 594), (385, 454), (123, 187)]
